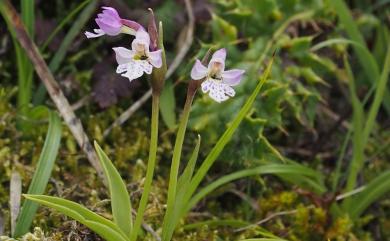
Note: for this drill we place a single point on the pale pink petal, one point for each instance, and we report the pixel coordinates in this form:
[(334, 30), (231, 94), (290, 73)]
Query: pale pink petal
[(98, 33), (145, 66), (218, 57), (199, 71), (123, 55), (111, 11), (232, 77), (141, 37), (219, 54), (108, 27), (155, 58)]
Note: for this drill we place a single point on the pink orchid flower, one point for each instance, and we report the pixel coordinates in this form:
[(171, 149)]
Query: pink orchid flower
[(112, 24), (133, 63), (218, 82)]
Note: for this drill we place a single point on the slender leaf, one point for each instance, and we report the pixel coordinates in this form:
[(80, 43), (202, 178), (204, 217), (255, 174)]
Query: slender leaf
[(59, 56), (371, 68), (42, 173), (95, 222), (373, 191), (120, 199), (182, 186), (378, 97), (63, 22), (168, 105), (261, 170)]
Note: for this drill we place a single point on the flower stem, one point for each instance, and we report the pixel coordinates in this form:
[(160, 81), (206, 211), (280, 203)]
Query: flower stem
[(150, 168), (175, 165)]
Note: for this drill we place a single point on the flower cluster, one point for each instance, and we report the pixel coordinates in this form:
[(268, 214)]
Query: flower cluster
[(134, 62)]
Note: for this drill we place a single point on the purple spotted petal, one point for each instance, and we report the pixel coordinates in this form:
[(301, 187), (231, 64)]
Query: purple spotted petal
[(232, 77), (155, 58), (199, 71), (123, 55)]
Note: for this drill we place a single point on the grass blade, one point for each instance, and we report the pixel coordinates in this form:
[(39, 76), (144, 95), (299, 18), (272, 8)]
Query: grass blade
[(63, 23), (120, 199), (173, 217), (42, 173), (105, 227), (68, 40), (373, 191), (371, 68), (378, 97), (261, 170)]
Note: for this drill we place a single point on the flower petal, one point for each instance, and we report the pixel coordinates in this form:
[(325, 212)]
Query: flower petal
[(199, 71), (110, 28), (232, 77), (141, 37), (206, 86), (219, 54), (217, 91), (220, 57), (123, 55), (98, 33), (155, 58), (111, 11), (134, 69)]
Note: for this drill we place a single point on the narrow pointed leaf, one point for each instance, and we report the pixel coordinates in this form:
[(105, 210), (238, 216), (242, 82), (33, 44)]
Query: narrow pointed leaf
[(80, 214), (42, 173), (120, 199)]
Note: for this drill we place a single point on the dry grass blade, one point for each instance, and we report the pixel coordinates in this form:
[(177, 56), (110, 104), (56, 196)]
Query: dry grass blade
[(15, 196), (52, 86)]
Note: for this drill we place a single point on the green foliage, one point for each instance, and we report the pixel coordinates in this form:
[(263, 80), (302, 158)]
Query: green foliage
[(42, 173), (120, 199), (102, 226)]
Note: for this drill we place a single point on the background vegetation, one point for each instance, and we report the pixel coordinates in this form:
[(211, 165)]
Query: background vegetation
[(325, 108)]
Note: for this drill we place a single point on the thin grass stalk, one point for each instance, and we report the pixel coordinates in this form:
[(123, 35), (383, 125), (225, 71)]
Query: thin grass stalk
[(150, 168), (176, 164)]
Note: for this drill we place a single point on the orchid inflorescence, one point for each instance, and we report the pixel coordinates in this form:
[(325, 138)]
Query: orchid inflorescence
[(141, 59)]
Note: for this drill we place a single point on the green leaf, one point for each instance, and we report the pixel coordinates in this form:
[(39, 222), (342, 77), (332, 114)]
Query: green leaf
[(370, 67), (182, 185), (42, 173), (168, 105), (60, 54), (102, 226), (185, 178), (120, 199), (261, 170), (372, 192)]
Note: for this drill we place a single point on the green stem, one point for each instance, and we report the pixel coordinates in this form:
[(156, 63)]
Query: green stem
[(175, 165), (150, 168)]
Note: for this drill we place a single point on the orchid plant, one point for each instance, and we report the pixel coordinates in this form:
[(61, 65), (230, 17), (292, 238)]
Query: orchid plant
[(147, 56)]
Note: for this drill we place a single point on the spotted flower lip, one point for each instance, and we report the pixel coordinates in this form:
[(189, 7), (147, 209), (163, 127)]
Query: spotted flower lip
[(133, 63), (110, 23), (217, 82)]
